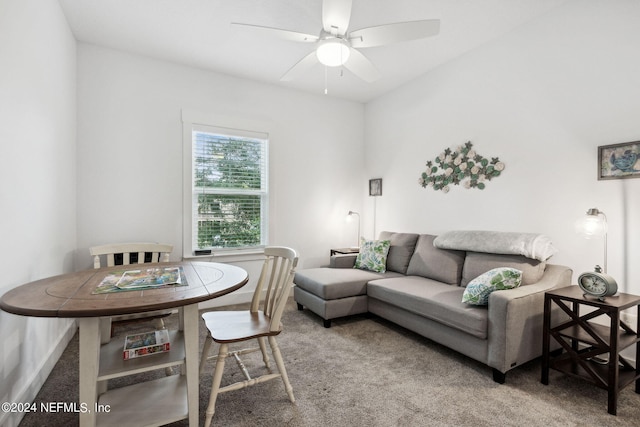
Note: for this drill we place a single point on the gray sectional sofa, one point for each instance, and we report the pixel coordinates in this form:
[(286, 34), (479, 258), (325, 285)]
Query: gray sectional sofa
[(422, 290)]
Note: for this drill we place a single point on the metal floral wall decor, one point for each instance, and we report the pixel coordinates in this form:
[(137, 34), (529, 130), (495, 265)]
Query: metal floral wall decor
[(462, 166)]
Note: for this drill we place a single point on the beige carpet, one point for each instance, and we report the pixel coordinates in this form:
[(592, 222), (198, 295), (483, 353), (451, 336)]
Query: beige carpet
[(368, 372)]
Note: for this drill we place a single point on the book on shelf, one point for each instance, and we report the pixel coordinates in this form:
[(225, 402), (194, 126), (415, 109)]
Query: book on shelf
[(146, 343)]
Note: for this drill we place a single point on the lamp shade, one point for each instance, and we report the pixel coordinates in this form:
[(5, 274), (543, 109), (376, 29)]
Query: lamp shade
[(593, 224), (333, 52)]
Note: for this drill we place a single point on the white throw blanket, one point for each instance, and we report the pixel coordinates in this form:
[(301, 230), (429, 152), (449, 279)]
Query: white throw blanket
[(530, 245)]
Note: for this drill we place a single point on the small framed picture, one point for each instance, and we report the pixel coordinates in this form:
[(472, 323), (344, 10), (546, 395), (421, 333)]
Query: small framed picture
[(619, 161), (375, 187)]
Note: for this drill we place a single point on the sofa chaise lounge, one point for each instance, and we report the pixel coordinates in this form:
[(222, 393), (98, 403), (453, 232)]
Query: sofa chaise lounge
[(423, 284)]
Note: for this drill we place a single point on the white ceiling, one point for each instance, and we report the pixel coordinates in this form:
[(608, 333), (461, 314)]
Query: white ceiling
[(198, 33)]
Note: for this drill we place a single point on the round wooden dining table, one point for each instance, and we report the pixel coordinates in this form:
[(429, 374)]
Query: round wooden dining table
[(156, 402)]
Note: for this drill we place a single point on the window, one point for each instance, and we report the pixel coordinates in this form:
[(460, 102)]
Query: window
[(228, 189)]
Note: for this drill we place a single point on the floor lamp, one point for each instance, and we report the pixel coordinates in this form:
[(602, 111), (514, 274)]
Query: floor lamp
[(375, 190)]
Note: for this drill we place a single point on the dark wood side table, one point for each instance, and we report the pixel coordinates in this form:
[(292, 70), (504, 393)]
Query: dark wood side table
[(344, 251), (582, 340)]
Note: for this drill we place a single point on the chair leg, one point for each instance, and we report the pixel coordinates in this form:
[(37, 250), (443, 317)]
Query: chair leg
[(205, 352), (215, 384), (283, 372), (159, 323), (263, 348), (106, 330)]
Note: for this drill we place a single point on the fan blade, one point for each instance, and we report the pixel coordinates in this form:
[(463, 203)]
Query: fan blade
[(282, 34), (335, 16), (393, 33), (300, 67), (359, 65)]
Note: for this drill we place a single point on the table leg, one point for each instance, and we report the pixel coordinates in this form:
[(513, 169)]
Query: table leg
[(190, 325), (638, 349), (546, 340), (614, 354), (89, 347)]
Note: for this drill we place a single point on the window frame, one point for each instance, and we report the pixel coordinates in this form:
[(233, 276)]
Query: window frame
[(226, 126)]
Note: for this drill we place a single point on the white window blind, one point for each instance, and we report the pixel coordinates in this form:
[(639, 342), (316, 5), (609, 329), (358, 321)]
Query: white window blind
[(229, 188)]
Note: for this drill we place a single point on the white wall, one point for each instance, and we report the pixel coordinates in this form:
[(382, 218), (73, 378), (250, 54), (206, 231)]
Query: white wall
[(542, 99), (130, 153), (37, 184)]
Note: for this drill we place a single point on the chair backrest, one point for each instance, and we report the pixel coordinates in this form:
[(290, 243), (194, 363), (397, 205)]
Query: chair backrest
[(277, 279), (130, 253)]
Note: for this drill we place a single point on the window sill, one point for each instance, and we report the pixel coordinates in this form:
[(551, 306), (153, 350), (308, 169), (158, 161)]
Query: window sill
[(228, 256)]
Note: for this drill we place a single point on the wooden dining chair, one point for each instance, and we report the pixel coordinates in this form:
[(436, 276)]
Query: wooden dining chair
[(126, 254), (261, 322)]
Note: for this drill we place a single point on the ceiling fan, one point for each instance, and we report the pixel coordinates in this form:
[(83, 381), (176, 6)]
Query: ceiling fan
[(336, 46)]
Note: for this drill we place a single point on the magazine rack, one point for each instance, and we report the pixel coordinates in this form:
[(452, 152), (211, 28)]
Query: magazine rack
[(167, 395)]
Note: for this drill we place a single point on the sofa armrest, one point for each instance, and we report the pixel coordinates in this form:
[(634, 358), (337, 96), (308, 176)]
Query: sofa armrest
[(342, 261), (516, 319)]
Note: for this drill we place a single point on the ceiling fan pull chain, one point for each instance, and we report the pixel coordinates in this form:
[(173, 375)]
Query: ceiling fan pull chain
[(325, 79)]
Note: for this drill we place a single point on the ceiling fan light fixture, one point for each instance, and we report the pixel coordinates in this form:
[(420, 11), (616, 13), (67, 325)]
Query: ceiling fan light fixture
[(333, 52)]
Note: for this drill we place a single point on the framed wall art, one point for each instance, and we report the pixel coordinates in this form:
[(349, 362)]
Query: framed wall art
[(375, 187), (619, 161)]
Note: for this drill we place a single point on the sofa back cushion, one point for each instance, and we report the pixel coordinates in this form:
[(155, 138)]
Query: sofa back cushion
[(443, 265), (477, 263), (400, 251)]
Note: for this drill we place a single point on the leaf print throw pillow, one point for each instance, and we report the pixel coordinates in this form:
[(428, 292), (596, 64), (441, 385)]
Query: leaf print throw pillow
[(478, 290), (373, 255)]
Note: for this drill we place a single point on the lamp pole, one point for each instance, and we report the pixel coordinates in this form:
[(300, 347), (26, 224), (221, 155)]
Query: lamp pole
[(356, 213)]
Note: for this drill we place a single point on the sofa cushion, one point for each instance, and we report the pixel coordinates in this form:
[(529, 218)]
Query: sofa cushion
[(478, 290), (400, 251), (437, 301), (442, 265), (373, 255), (334, 283), (477, 263)]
